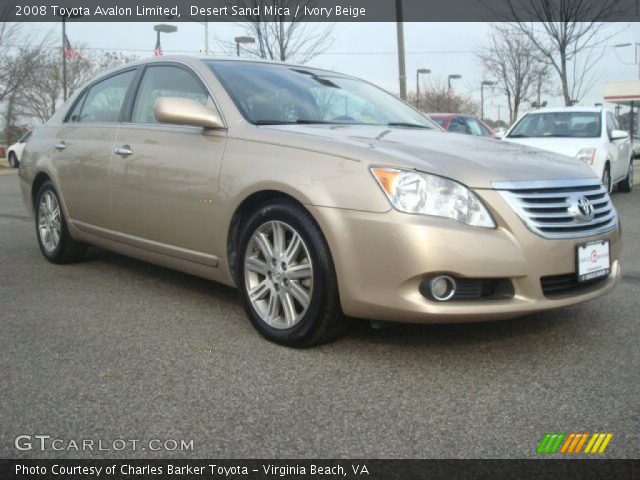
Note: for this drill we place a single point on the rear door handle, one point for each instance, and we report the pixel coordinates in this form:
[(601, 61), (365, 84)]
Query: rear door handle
[(60, 146), (123, 151)]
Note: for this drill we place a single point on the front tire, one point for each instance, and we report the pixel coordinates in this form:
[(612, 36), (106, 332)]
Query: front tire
[(52, 232), (606, 178), (286, 277), (13, 160), (626, 185)]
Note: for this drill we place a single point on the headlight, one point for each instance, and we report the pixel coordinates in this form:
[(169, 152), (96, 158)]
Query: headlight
[(416, 192), (587, 155)]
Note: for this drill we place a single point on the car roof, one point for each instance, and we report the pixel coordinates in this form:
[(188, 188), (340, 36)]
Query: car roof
[(191, 58), (447, 115)]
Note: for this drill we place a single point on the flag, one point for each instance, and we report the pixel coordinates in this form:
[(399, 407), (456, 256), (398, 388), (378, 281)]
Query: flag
[(68, 51), (158, 51)]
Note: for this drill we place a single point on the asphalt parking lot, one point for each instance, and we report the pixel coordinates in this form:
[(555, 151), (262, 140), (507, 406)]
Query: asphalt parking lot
[(115, 348)]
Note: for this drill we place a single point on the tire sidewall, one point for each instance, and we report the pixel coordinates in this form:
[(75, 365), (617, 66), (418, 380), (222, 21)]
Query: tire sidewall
[(304, 225)]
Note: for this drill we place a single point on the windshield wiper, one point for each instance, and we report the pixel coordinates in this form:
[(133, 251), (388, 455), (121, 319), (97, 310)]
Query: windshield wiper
[(285, 122), (518, 135), (302, 121), (272, 122), (407, 124)]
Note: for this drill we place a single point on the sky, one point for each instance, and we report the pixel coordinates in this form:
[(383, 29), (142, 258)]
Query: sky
[(366, 50)]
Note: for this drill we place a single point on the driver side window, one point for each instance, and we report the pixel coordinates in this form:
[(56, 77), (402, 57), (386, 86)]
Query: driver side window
[(166, 81)]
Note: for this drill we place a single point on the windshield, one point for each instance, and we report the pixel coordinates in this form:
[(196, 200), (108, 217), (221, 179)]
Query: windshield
[(558, 124), (268, 94)]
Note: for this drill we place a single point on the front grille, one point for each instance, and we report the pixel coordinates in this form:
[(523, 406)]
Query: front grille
[(479, 288), (544, 206), (559, 284)]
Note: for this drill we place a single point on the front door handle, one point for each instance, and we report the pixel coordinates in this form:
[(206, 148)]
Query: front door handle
[(123, 151), (60, 146)]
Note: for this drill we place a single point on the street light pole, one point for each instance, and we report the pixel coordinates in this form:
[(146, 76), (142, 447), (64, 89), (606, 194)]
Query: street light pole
[(418, 72), (453, 76), (164, 28), (636, 52), (243, 39), (64, 61), (206, 37), (401, 67), (488, 83)]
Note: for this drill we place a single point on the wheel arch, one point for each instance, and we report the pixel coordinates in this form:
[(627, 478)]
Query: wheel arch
[(250, 203), (40, 178)]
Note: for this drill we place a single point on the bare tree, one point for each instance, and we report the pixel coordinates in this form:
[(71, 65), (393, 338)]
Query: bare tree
[(297, 40), (43, 93), (435, 96), (509, 58), (17, 62), (568, 35)]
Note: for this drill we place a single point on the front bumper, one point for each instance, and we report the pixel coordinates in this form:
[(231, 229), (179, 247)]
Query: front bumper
[(381, 258)]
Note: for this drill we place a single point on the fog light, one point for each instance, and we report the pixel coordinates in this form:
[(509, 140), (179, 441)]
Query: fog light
[(442, 287)]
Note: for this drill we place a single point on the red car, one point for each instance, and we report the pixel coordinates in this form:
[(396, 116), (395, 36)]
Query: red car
[(462, 123)]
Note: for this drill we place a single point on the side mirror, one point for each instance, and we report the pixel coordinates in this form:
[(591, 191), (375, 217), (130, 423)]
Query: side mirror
[(499, 135), (619, 134), (184, 111)]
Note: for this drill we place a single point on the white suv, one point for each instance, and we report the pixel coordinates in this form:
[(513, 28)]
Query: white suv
[(591, 135), (14, 152)]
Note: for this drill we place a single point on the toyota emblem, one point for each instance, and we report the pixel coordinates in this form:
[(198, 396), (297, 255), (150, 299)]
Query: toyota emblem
[(581, 209)]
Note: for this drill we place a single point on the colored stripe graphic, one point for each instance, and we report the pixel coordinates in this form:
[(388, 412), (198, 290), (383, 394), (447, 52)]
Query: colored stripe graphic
[(550, 443), (598, 442), (573, 442)]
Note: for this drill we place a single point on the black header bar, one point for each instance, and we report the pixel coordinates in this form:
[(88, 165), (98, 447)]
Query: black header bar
[(319, 10)]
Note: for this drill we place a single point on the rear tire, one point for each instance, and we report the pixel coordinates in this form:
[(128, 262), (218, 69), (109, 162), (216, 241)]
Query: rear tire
[(286, 277), (13, 160), (626, 185), (52, 232)]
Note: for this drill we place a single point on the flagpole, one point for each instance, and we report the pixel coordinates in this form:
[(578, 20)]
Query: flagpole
[(64, 62)]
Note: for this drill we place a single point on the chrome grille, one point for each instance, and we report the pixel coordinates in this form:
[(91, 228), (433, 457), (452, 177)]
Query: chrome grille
[(545, 206)]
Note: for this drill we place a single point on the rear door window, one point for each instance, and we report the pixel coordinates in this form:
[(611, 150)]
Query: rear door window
[(77, 109), (105, 99)]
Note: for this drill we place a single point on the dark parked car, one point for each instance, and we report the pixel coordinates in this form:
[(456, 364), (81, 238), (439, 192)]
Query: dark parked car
[(462, 123)]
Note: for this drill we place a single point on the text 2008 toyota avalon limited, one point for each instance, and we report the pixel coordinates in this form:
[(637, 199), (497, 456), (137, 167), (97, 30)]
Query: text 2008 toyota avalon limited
[(317, 195)]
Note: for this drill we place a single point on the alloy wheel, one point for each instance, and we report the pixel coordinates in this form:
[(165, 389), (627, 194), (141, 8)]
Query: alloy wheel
[(49, 221), (278, 274)]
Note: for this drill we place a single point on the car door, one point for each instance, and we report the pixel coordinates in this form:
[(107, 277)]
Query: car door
[(84, 144), (164, 178), (615, 149)]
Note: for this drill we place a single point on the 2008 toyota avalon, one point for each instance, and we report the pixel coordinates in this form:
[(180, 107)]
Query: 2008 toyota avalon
[(320, 196)]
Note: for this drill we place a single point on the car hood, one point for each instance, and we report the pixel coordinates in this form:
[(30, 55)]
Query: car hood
[(562, 145), (473, 161)]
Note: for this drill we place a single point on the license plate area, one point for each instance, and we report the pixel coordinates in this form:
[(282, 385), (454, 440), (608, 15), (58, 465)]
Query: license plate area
[(593, 260)]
